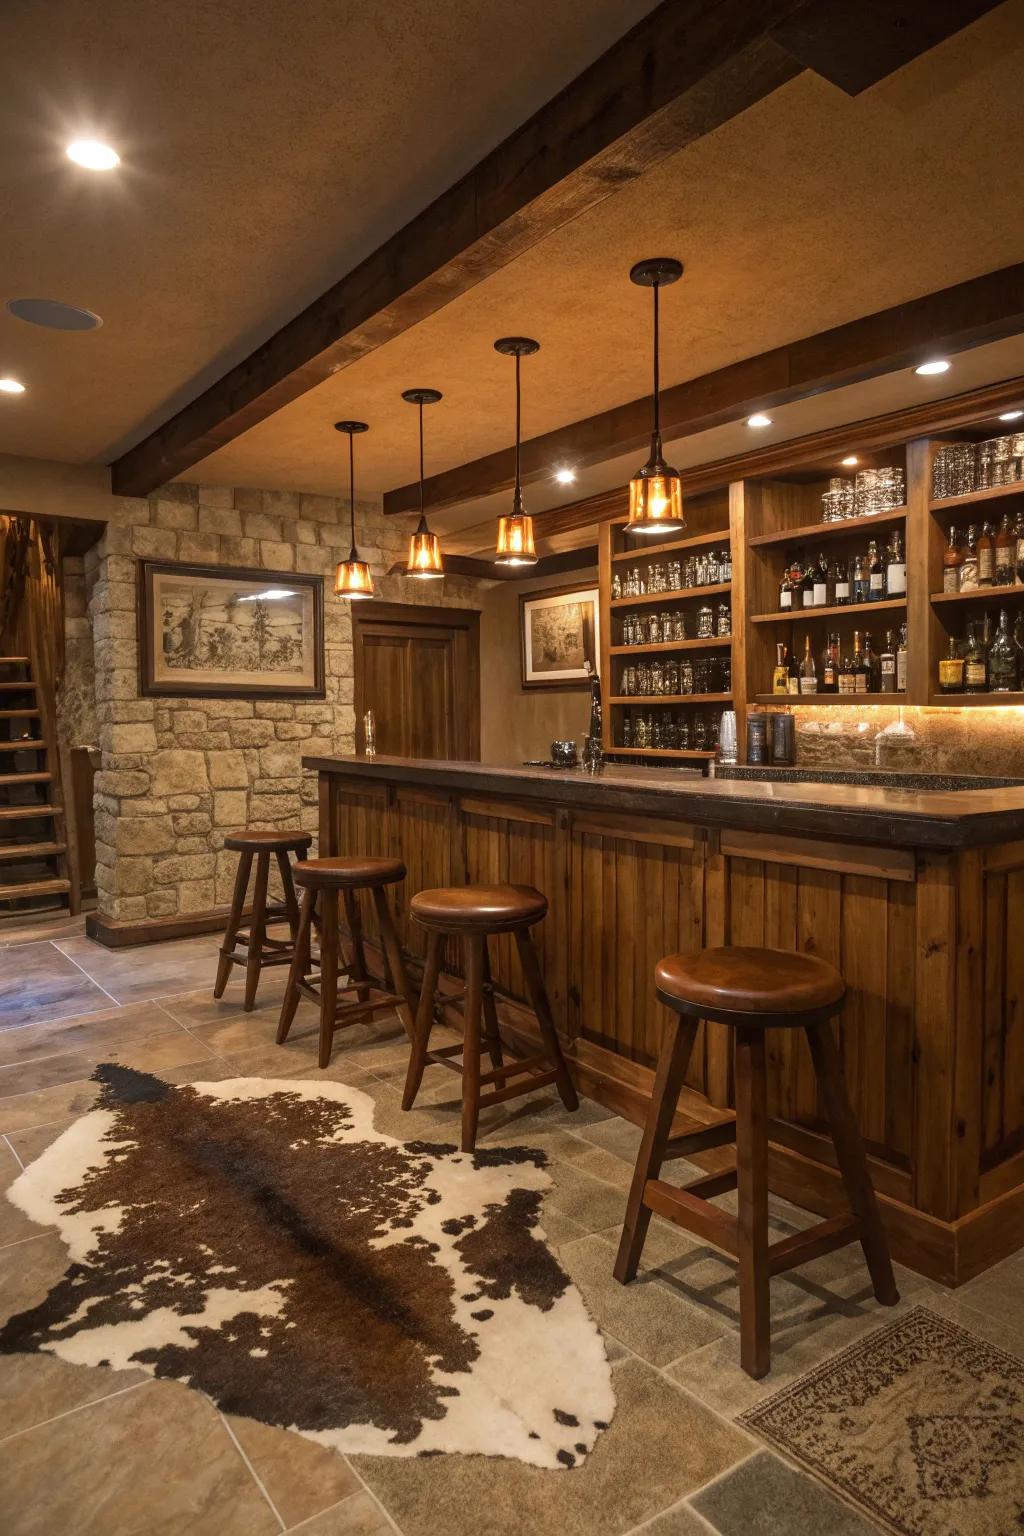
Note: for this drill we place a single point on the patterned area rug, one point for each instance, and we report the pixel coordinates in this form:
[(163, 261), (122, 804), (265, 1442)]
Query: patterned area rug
[(921, 1425), (261, 1242)]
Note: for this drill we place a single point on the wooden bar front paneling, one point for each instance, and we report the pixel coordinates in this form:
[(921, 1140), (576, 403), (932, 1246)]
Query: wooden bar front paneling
[(932, 1035)]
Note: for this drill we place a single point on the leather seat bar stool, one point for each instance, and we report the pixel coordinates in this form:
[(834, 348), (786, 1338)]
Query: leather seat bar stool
[(260, 950), (753, 990), (471, 913), (322, 883)]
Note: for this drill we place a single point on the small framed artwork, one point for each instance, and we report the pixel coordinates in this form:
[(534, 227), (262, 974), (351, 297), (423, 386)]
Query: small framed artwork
[(206, 631), (559, 635)]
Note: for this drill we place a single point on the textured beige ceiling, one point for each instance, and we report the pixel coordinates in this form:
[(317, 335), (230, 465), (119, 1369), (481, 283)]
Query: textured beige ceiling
[(811, 209), (267, 146)]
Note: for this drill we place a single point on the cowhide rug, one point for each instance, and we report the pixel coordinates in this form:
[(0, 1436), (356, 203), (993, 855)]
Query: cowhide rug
[(261, 1242)]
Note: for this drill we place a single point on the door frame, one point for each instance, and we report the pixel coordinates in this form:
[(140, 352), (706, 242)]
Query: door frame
[(465, 622)]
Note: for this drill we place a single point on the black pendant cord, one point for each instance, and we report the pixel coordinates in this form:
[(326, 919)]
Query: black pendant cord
[(352, 490), (517, 495), (423, 515), (656, 434)]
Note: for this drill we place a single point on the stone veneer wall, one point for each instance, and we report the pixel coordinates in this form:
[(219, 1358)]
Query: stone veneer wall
[(987, 740), (178, 775)]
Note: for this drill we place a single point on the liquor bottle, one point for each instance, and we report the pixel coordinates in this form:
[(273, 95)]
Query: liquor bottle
[(841, 576), (975, 662), (786, 591), (655, 732), (861, 671), (1018, 530), (1003, 659), (830, 666), (861, 579), (792, 674), (969, 562), (952, 559), (807, 585), (874, 666), (986, 556), (780, 677), (808, 671), (616, 586), (901, 660), (876, 574), (847, 678), (627, 732), (1006, 553), (887, 667), (951, 669), (896, 567), (822, 596)]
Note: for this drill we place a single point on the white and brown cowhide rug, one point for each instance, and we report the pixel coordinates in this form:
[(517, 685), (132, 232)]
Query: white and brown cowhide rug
[(261, 1242)]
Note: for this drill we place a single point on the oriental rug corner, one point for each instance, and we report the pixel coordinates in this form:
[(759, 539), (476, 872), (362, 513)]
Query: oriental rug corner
[(259, 1241)]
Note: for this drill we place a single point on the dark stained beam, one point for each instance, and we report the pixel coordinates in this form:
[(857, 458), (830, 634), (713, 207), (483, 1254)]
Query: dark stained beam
[(965, 315), (685, 69)]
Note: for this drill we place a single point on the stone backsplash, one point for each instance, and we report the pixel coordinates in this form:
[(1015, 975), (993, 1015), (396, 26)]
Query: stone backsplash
[(178, 775), (986, 740)]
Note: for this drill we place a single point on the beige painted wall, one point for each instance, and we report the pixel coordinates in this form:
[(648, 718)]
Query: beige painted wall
[(516, 725)]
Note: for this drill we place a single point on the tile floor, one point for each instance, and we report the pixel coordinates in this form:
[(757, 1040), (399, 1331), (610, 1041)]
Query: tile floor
[(94, 1451)]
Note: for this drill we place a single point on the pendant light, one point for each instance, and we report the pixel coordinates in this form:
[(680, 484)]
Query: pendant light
[(515, 532), (425, 563), (656, 491), (352, 577)]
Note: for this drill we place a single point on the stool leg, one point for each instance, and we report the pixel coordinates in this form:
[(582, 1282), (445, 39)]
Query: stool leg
[(491, 1032), (257, 930), (299, 968), (853, 1163), (234, 923), (752, 1192), (393, 958), (672, 1063), (288, 885), (328, 972), (354, 921), (424, 1018), (542, 1008), (474, 952)]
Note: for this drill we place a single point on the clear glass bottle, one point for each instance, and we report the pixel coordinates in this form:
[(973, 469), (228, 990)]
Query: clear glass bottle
[(969, 562), (861, 579), (951, 669), (952, 559), (876, 574), (1003, 659), (841, 578), (808, 671), (830, 665), (785, 592), (1005, 553), (887, 664), (821, 583), (986, 556), (896, 567), (901, 660), (780, 677), (975, 662)]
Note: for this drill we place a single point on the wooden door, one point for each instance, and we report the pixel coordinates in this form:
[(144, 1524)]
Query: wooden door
[(418, 669)]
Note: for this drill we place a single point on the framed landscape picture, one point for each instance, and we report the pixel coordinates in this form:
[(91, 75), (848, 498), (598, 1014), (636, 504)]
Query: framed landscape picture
[(559, 629), (209, 632)]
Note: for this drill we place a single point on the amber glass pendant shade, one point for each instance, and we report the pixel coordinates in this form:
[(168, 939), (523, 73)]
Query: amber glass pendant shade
[(515, 532), (515, 540), (352, 576), (424, 562), (656, 491)]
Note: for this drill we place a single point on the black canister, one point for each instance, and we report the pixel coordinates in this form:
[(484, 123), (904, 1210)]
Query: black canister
[(757, 740), (783, 740)]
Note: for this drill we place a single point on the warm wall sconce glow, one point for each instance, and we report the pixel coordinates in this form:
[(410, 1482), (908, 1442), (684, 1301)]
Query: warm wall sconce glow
[(936, 365), (92, 155), (12, 387), (759, 419), (850, 460), (656, 491), (565, 476)]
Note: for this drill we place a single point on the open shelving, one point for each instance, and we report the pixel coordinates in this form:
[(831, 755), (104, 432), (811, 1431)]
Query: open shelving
[(677, 595)]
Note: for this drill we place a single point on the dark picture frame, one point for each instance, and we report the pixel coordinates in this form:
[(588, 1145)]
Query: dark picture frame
[(170, 625), (539, 613)]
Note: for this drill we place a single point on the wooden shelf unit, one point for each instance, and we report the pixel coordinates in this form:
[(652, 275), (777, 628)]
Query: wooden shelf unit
[(678, 595), (693, 754), (718, 643), (671, 698), (831, 610), (979, 498), (798, 699), (812, 532), (974, 700), (1000, 594)]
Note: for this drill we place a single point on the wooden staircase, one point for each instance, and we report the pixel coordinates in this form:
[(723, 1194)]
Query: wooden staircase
[(34, 874)]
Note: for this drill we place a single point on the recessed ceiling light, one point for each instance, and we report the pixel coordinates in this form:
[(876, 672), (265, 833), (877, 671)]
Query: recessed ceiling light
[(759, 419), (850, 460), (54, 315), (937, 365), (93, 155), (11, 387), (565, 476), (1011, 415)]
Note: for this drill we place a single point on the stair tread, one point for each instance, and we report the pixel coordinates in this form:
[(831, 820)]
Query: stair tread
[(17, 687), (34, 745), (25, 778), (34, 888), (9, 852), (25, 713), (25, 812), (8, 661)]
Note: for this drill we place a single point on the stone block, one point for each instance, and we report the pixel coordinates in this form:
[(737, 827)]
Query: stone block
[(132, 510), (281, 503), (307, 533), (155, 543), (216, 496), (118, 596), (146, 806), (129, 909), (277, 557), (280, 760), (199, 548), (140, 737), (119, 568), (219, 520), (138, 834), (162, 904), (227, 770), (179, 772), (117, 540), (230, 807), (175, 514), (276, 786), (202, 741), (108, 624), (234, 551), (292, 730), (273, 709), (181, 867), (197, 896), (115, 782), (190, 823), (247, 499), (313, 561), (133, 877), (184, 802), (319, 509), (191, 845), (252, 733), (177, 490), (117, 684), (229, 709), (257, 525), (314, 712)]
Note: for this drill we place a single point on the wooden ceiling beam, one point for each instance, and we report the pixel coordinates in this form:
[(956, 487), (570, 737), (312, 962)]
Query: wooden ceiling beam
[(982, 309), (685, 69)]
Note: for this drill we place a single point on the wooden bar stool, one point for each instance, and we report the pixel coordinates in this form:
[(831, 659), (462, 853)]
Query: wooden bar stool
[(259, 950), (753, 990), (472, 913), (322, 881)]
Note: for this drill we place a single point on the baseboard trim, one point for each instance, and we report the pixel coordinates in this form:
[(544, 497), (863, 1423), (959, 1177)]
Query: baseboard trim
[(154, 930)]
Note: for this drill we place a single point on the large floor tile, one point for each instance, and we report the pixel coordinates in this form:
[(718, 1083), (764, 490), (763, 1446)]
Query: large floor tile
[(94, 1032), (359, 1515), (156, 1460), (39, 984), (175, 1047), (661, 1445), (589, 1201), (301, 1477), (146, 971), (681, 1521), (37, 1387), (14, 1225), (765, 1497)]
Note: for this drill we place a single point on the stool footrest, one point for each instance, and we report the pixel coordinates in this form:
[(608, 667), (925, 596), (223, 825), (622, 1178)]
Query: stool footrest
[(712, 1184), (436, 1059), (515, 1068), (823, 1238), (534, 1081), (693, 1215), (709, 1136)]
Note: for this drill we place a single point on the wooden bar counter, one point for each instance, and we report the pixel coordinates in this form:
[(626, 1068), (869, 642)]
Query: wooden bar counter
[(917, 897)]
